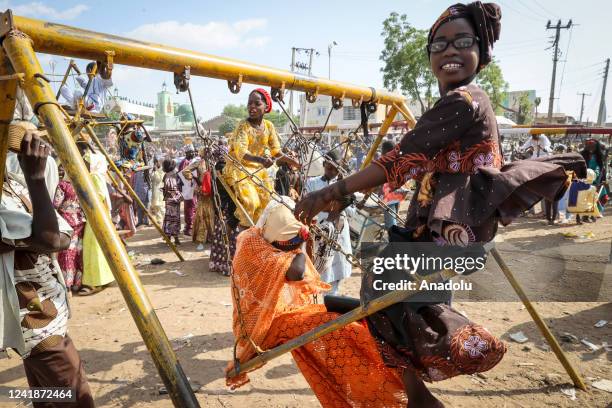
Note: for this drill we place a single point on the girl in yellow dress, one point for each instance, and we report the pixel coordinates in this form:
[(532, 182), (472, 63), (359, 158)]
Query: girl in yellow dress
[(255, 144)]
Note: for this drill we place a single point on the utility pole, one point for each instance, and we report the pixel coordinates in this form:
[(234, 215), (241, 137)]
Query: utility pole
[(601, 117), (582, 105), (292, 70), (311, 52), (555, 45), (329, 48), (296, 66)]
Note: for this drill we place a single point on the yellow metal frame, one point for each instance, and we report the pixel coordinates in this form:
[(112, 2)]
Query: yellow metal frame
[(18, 48), (22, 36)]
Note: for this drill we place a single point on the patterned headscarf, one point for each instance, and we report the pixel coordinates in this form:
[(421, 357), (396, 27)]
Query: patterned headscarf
[(485, 19)]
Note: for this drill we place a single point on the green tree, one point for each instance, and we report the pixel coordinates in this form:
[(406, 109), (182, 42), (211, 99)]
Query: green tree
[(525, 110), (491, 80), (185, 113), (406, 61), (239, 112), (235, 111), (228, 126)]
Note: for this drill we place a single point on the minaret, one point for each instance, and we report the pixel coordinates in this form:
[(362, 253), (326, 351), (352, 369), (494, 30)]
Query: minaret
[(164, 113)]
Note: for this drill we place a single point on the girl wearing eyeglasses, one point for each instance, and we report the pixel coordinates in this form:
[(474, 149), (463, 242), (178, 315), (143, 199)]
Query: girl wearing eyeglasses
[(463, 191)]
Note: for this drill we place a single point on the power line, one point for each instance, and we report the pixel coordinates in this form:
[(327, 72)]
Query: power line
[(564, 64), (521, 42), (518, 54), (592, 65), (521, 47), (537, 3), (538, 13), (520, 12)]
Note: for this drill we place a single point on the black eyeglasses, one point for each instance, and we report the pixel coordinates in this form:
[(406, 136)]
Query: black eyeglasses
[(460, 43)]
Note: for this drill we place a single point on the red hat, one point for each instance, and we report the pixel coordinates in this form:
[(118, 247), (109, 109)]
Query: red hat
[(267, 97)]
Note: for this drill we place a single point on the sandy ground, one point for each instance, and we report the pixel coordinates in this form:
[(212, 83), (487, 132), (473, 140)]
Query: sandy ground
[(195, 305)]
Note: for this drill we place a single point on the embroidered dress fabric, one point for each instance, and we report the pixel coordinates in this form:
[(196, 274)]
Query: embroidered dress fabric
[(247, 139), (173, 198), (344, 368), (463, 190), (453, 153), (70, 260)]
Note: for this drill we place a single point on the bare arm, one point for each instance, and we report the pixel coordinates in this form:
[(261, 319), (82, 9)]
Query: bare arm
[(329, 199), (297, 268), (45, 229)]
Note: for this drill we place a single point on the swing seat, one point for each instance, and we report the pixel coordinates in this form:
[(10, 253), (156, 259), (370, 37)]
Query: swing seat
[(340, 304)]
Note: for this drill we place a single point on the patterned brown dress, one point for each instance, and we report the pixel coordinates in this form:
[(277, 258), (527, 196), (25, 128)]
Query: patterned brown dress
[(464, 190)]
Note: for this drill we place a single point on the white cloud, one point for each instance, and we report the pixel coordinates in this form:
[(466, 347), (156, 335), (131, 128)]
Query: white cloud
[(250, 24), (256, 42), (40, 10), (212, 35)]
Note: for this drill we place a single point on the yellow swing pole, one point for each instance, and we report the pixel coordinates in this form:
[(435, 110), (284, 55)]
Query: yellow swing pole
[(384, 128), (8, 92), (341, 321), (131, 191), (18, 48), (550, 338)]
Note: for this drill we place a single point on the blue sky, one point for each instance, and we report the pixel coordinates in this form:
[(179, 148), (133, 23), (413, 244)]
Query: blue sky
[(264, 32)]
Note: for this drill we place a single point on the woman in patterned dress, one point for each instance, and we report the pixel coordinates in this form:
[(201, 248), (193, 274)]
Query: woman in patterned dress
[(203, 220), (172, 198), (464, 190), (67, 205), (223, 220), (255, 145)]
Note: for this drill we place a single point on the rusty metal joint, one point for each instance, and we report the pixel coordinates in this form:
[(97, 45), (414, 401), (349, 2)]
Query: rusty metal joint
[(109, 62), (235, 85), (181, 81), (311, 96), (42, 76), (371, 106), (373, 98), (7, 23), (357, 102), (278, 94), (39, 105), (338, 102)]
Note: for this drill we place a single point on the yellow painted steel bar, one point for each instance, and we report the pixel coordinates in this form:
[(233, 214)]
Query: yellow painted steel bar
[(8, 94), (550, 338), (19, 50), (405, 111), (341, 321), (384, 128), (73, 42), (548, 131), (231, 194), (131, 191)]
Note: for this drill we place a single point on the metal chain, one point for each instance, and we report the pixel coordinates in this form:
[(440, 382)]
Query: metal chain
[(277, 197), (302, 139), (208, 146)]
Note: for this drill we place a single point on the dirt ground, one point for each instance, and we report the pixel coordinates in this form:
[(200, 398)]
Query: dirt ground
[(194, 307)]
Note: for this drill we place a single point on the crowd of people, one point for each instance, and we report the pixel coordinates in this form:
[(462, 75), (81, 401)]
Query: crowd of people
[(585, 199), (221, 198)]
